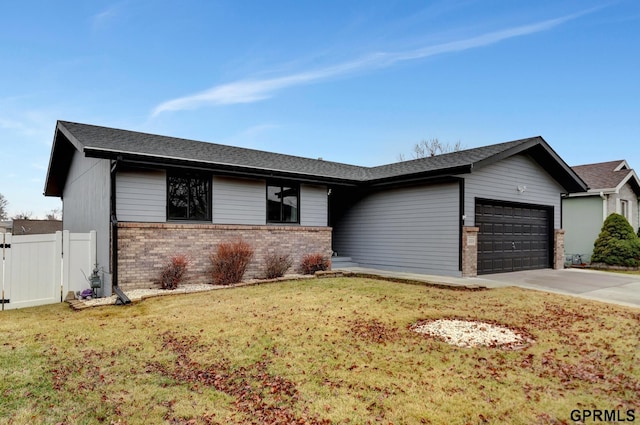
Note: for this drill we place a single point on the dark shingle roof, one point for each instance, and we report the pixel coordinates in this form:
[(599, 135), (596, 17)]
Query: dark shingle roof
[(602, 175), (102, 139), (103, 142), (447, 161)]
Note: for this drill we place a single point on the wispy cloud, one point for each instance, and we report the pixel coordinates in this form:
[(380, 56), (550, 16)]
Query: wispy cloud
[(249, 91), (102, 19)]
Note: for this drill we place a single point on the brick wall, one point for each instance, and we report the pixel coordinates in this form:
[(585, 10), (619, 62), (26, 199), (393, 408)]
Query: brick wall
[(558, 249), (470, 251), (145, 248)]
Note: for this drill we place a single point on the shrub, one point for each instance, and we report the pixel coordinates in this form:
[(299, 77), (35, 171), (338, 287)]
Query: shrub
[(276, 265), (312, 263), (173, 273), (617, 244), (230, 261)]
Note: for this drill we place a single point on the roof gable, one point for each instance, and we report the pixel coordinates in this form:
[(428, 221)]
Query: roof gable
[(608, 176), (110, 143)]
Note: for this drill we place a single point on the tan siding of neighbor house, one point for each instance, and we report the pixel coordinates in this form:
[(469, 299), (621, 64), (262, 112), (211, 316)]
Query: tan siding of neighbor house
[(626, 193), (582, 222)]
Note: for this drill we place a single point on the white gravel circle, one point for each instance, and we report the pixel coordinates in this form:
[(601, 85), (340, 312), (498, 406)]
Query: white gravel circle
[(467, 333)]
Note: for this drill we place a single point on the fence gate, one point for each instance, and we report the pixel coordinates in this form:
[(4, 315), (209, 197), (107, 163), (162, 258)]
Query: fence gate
[(41, 269)]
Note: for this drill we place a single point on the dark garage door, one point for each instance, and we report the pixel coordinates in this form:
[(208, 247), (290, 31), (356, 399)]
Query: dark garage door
[(513, 236)]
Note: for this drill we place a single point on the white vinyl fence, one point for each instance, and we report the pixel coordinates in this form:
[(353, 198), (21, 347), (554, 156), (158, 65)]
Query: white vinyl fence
[(41, 269)]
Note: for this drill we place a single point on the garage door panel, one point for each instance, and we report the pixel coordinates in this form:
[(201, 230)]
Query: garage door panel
[(512, 237)]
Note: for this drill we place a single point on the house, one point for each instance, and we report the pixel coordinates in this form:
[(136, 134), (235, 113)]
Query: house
[(613, 188), (35, 227), (484, 210), (6, 226)]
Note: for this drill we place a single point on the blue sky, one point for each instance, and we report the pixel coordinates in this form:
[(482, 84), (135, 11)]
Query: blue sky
[(350, 81)]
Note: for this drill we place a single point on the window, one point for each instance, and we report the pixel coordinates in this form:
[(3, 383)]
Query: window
[(188, 197), (624, 209), (283, 203)]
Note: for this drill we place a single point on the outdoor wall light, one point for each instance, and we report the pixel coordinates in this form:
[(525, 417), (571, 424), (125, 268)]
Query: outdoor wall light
[(522, 188)]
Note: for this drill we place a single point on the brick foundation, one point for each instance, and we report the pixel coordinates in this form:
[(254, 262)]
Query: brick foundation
[(558, 249), (470, 251), (145, 248)]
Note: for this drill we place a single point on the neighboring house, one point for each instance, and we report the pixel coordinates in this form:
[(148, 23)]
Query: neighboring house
[(613, 188), (5, 226), (149, 197), (35, 227)]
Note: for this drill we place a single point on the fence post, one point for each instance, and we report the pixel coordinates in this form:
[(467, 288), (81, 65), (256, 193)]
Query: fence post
[(65, 261), (93, 256), (3, 273)]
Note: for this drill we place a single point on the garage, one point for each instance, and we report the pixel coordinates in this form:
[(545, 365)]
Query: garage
[(513, 236)]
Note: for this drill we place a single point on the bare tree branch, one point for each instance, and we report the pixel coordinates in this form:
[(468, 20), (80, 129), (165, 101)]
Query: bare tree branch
[(433, 147)]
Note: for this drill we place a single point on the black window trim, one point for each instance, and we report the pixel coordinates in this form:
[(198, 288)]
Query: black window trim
[(281, 184), (196, 175)]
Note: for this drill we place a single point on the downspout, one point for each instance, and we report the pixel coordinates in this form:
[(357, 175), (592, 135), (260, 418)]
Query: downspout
[(462, 216), (114, 225), (122, 298), (604, 206)]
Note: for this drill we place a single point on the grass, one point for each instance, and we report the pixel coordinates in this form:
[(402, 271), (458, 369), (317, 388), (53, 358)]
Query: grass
[(316, 351)]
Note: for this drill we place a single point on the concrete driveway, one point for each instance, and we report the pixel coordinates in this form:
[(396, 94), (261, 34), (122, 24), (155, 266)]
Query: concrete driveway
[(614, 288)]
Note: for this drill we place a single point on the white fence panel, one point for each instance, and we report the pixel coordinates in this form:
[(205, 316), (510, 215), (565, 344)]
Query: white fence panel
[(41, 269), (5, 243), (79, 260), (33, 270)]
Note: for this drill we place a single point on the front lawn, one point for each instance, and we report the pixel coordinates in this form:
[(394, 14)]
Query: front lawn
[(317, 351)]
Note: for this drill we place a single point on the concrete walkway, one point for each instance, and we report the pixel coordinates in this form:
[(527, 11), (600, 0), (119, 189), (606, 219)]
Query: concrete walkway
[(616, 288)]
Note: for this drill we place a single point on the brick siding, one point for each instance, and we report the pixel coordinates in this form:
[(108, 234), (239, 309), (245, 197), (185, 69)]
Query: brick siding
[(558, 249), (470, 251), (145, 248)]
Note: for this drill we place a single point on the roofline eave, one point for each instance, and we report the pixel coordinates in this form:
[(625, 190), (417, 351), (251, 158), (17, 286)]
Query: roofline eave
[(149, 160), (632, 179), (60, 129), (446, 173)]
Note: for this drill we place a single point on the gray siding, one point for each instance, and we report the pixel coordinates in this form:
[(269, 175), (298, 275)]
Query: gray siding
[(239, 201), (582, 221), (86, 206), (141, 196), (313, 205), (500, 181), (412, 229)]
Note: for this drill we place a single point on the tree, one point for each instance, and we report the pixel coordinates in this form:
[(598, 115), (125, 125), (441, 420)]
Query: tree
[(3, 207), (617, 244), (433, 147), (23, 215), (54, 214)]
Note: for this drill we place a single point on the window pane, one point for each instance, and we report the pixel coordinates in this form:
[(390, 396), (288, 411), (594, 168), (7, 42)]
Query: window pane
[(290, 204), (198, 202), (188, 198), (624, 209), (178, 198), (273, 203)]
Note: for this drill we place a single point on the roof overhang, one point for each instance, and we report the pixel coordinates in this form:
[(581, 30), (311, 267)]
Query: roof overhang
[(161, 161), (62, 151), (633, 180)]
